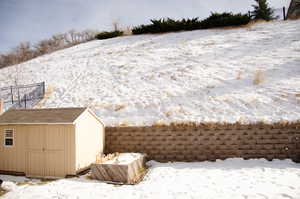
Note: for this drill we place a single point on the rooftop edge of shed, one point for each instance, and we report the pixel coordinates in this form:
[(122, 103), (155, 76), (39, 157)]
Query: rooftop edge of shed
[(43, 116)]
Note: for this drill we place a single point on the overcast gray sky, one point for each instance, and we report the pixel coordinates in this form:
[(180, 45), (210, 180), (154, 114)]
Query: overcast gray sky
[(33, 20)]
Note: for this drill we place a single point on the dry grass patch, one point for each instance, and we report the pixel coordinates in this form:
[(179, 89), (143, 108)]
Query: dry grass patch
[(298, 96), (141, 174), (100, 158), (239, 75), (294, 18), (2, 191), (45, 181), (127, 31), (48, 93), (120, 107), (101, 106), (210, 86), (209, 43), (259, 77), (25, 183), (247, 26), (175, 111), (169, 94), (173, 78), (89, 177), (168, 113), (42, 182), (159, 123), (124, 124), (224, 125)]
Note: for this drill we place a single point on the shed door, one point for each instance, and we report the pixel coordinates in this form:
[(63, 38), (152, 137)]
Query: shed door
[(35, 159), (54, 152), (45, 156)]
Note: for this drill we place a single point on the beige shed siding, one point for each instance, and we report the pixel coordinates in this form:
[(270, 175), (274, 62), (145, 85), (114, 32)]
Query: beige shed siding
[(13, 158), (89, 140), (54, 144)]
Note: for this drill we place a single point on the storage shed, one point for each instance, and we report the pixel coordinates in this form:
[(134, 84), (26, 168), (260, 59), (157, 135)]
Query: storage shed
[(49, 143)]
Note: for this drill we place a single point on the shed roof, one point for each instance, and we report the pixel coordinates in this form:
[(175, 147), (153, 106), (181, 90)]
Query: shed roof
[(41, 116)]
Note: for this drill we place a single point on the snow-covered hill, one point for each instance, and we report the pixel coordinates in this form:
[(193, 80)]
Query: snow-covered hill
[(247, 75)]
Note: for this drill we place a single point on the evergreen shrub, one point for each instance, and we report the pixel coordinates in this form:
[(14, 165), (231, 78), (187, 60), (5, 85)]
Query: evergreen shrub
[(108, 35)]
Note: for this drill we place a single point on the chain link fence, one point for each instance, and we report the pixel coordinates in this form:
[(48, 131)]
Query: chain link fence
[(22, 96)]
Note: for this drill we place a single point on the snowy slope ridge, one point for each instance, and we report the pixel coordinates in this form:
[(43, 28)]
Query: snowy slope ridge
[(200, 76)]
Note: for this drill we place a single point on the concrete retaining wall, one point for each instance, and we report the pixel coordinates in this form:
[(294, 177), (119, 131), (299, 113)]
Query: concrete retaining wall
[(207, 142)]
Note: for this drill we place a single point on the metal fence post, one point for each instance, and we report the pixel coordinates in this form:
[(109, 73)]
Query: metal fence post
[(25, 98), (284, 16), (12, 95), (19, 100), (43, 90)]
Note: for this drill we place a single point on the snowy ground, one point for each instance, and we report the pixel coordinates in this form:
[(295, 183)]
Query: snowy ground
[(205, 75), (232, 179)]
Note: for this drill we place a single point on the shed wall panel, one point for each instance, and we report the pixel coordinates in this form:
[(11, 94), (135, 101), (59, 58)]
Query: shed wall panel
[(13, 158), (47, 147), (89, 140)]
